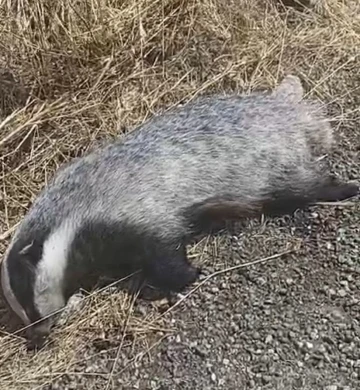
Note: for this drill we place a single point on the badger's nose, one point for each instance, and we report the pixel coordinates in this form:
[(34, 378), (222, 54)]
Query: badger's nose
[(37, 335)]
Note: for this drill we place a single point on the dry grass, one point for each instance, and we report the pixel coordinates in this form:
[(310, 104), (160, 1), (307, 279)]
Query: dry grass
[(93, 69), (107, 321)]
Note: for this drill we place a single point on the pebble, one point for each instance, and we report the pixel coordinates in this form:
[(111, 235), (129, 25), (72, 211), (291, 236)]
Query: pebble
[(332, 292), (342, 293), (266, 379), (332, 387), (292, 335), (282, 291), (256, 336)]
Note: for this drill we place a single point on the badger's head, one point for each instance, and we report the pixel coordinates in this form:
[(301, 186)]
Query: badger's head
[(32, 279)]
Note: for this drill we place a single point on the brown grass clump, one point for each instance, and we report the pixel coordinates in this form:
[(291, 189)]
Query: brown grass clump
[(86, 71), (106, 321)]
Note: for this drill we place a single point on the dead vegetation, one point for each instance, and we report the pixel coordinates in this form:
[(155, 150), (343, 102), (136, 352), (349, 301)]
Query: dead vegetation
[(87, 71)]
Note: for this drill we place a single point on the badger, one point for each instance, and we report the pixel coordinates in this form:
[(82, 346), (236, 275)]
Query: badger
[(131, 206)]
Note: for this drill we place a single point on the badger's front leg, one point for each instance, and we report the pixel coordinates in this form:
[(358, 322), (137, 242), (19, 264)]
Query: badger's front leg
[(169, 269)]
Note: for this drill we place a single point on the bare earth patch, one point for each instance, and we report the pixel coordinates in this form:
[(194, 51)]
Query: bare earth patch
[(76, 74)]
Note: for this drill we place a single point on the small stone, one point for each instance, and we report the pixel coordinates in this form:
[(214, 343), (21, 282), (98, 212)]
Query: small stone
[(337, 315), (266, 379), (322, 349), (292, 335), (282, 291), (329, 245), (348, 337), (268, 339), (332, 292), (332, 387), (213, 377), (314, 335), (202, 352), (342, 293), (342, 326), (256, 335)]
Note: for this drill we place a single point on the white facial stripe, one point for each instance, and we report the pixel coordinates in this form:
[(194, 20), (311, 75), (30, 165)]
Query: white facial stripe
[(48, 291), (9, 295)]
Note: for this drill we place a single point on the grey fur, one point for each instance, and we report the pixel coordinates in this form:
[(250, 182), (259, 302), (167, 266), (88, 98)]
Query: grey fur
[(235, 152), (217, 145)]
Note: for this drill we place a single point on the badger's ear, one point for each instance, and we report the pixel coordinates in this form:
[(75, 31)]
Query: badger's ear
[(289, 89)]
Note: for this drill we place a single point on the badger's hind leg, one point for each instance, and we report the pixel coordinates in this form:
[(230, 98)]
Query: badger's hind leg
[(285, 202), (328, 190), (213, 213), (333, 190)]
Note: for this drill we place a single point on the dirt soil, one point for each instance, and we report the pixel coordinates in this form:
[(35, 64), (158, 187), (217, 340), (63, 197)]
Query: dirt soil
[(278, 306)]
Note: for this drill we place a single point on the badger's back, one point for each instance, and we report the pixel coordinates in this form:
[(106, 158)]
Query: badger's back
[(246, 146)]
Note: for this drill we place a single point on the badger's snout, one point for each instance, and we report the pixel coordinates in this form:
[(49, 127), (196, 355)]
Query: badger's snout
[(37, 334)]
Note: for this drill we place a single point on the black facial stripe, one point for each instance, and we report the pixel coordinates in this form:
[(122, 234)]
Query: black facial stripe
[(21, 270)]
